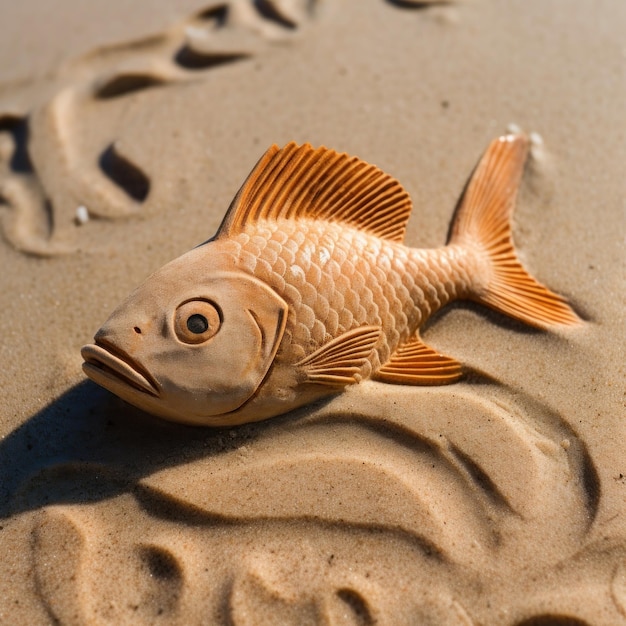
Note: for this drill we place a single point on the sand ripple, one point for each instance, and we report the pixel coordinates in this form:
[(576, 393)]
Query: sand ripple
[(382, 507), (52, 179)]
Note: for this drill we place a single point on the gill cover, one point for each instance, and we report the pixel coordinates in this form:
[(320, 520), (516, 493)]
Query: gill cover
[(229, 367)]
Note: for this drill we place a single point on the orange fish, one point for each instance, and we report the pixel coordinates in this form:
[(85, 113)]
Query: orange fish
[(307, 287)]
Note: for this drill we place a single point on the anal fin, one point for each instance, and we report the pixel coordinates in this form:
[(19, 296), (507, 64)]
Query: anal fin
[(415, 363), (339, 362)]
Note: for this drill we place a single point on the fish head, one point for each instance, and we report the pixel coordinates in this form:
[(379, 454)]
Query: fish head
[(192, 343)]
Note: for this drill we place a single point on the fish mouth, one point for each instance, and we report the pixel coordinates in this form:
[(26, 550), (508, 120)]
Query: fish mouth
[(109, 366)]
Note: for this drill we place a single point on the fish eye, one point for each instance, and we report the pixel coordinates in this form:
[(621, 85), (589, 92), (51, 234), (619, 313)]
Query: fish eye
[(197, 324), (196, 321)]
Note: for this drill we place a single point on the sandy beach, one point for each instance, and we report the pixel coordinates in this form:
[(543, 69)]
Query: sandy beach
[(124, 135)]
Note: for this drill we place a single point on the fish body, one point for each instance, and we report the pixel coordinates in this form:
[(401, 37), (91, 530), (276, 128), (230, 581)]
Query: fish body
[(308, 287)]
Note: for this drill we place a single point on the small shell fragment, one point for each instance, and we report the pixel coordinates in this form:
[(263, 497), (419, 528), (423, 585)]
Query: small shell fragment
[(82, 215), (537, 147)]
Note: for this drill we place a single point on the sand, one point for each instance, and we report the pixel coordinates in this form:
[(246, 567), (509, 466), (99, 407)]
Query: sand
[(124, 133)]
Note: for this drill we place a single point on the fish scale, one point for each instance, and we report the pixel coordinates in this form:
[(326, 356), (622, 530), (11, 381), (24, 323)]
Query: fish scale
[(364, 280)]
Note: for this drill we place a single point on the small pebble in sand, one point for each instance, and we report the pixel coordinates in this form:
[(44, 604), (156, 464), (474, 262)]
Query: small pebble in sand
[(565, 444), (193, 32), (513, 128), (82, 215), (537, 146)]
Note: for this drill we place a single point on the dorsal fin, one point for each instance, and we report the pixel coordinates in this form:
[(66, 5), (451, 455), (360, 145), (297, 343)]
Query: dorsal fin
[(317, 183)]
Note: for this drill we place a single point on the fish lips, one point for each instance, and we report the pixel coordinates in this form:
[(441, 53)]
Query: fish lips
[(116, 370)]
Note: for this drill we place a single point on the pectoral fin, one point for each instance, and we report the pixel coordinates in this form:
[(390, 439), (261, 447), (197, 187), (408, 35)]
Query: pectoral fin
[(415, 363), (339, 362)]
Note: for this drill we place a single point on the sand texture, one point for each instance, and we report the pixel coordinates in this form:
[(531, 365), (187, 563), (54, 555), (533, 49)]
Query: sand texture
[(125, 131)]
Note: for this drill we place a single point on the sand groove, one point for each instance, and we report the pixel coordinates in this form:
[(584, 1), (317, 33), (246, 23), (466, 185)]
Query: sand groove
[(276, 528), (46, 170)]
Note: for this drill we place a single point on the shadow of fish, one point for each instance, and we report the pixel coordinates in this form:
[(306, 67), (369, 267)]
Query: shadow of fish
[(307, 287)]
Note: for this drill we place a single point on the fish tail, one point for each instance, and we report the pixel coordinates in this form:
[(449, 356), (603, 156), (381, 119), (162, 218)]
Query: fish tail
[(483, 221)]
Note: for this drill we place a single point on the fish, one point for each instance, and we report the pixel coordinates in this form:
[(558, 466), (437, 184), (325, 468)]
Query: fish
[(307, 288)]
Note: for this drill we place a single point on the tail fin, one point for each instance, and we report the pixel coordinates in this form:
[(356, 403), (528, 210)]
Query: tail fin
[(484, 218)]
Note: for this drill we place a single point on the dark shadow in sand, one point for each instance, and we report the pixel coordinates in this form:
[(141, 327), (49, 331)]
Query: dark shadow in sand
[(88, 445), (416, 5), (17, 127)]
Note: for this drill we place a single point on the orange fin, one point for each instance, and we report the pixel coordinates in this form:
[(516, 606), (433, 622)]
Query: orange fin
[(415, 363), (317, 183), (484, 218), (339, 362)]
